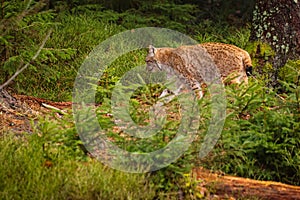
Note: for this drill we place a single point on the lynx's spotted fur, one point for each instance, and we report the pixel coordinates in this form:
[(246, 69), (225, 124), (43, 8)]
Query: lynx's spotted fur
[(196, 62)]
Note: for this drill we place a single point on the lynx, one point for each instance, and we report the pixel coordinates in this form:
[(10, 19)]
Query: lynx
[(195, 63)]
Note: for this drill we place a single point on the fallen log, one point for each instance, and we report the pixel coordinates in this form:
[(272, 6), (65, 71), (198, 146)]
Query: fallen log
[(226, 187)]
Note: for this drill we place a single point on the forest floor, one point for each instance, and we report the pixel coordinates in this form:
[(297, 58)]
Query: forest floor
[(19, 114)]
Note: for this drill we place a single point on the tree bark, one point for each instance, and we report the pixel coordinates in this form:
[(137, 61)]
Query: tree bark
[(277, 22)]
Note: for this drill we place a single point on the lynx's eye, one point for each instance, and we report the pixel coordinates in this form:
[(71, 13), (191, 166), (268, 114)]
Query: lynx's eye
[(149, 60)]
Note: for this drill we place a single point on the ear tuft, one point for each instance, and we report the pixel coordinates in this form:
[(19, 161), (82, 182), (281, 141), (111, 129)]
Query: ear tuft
[(151, 50)]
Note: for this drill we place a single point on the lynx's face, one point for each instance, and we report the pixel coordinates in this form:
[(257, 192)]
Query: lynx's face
[(152, 63)]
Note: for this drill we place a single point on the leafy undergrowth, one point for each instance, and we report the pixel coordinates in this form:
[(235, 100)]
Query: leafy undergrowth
[(260, 139), (51, 165)]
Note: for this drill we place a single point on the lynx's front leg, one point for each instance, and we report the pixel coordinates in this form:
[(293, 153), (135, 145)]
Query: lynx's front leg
[(167, 95)]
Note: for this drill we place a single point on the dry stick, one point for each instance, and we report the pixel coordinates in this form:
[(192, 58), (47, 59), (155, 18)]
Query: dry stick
[(25, 66), (54, 108)]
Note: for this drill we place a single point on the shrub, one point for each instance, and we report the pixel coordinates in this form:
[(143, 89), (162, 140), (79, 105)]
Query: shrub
[(261, 135)]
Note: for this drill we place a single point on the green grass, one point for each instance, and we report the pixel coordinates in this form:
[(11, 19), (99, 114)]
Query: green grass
[(27, 173), (52, 75), (210, 31)]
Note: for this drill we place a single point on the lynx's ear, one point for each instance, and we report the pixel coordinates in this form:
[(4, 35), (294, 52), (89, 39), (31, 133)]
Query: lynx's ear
[(152, 50)]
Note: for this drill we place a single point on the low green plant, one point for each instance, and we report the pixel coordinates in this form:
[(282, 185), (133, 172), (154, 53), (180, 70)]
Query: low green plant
[(114, 72), (170, 181), (50, 164), (210, 31), (290, 74), (180, 17), (260, 139)]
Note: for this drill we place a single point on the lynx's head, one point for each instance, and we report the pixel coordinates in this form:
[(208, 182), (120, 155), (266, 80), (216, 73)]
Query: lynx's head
[(152, 61)]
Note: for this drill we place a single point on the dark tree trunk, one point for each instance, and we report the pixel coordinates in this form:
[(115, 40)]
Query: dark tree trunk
[(277, 22)]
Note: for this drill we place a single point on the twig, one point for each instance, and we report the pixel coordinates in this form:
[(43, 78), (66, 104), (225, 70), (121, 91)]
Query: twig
[(27, 64), (54, 108)]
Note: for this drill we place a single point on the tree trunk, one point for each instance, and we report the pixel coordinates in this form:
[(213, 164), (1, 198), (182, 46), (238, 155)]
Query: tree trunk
[(277, 22)]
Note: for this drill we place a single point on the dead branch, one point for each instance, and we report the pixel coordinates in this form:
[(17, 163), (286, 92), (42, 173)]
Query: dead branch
[(27, 64)]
